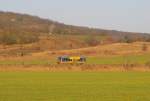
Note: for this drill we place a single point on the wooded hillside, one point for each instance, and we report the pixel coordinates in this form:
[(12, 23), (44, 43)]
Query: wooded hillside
[(23, 28)]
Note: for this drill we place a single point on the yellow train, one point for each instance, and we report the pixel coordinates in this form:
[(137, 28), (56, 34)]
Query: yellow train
[(71, 60)]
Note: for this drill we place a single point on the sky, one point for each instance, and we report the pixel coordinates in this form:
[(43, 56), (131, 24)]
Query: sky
[(122, 15)]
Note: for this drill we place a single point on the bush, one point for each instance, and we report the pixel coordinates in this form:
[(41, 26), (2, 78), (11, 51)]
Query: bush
[(8, 39), (12, 38), (144, 47), (147, 64), (28, 38), (92, 41), (128, 65), (127, 39)]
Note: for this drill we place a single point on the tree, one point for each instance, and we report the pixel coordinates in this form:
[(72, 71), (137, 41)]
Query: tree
[(8, 39), (109, 39), (127, 39), (92, 41), (147, 39)]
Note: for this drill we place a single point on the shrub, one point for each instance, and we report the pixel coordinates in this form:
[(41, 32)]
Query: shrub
[(127, 39), (144, 47), (8, 39), (147, 64), (13, 38), (92, 41)]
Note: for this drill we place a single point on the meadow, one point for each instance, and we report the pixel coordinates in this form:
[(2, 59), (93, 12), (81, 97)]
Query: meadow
[(74, 86), (107, 60), (110, 60)]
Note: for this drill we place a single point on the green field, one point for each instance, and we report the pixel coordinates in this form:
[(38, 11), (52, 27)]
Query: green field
[(109, 60), (135, 59), (27, 62), (79, 86)]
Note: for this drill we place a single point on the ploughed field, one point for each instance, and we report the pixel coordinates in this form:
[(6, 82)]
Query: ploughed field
[(74, 86)]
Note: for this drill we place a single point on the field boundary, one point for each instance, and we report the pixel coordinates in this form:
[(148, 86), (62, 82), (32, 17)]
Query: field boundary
[(85, 67)]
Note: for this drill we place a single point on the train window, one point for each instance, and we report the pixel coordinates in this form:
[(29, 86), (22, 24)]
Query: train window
[(63, 59), (82, 59), (59, 58)]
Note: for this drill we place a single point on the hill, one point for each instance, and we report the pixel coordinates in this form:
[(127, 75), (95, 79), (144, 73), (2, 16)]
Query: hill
[(23, 28), (115, 49)]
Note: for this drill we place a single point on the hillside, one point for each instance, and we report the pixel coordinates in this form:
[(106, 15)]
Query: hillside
[(27, 29), (26, 34), (115, 49)]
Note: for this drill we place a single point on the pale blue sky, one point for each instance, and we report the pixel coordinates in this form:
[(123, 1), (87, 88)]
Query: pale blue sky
[(125, 15)]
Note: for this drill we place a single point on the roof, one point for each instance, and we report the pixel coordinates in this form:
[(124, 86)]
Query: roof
[(72, 57)]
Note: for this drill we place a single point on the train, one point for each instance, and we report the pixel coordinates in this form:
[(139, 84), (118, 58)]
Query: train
[(71, 60)]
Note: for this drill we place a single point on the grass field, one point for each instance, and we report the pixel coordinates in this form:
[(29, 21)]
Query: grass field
[(136, 59), (109, 60), (74, 86), (26, 62)]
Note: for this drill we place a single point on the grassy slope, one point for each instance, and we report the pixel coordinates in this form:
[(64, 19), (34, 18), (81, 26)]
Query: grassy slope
[(51, 43), (44, 86)]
